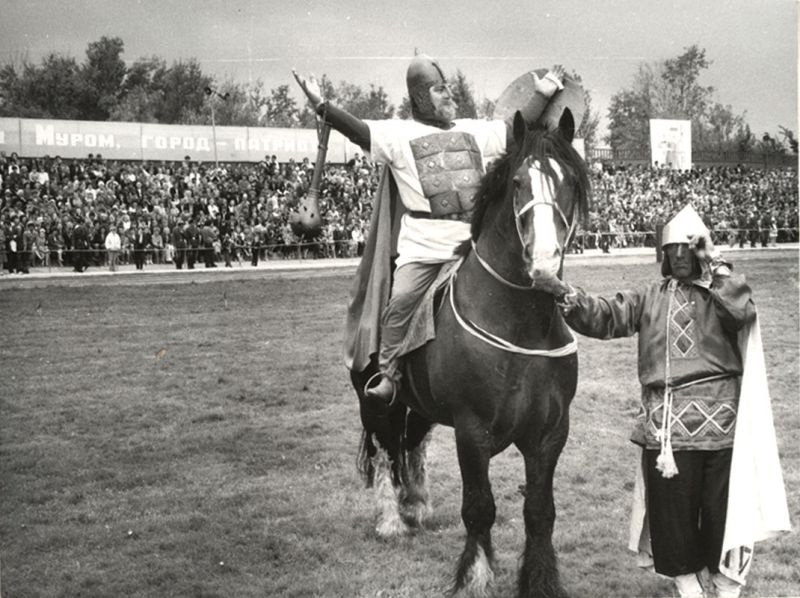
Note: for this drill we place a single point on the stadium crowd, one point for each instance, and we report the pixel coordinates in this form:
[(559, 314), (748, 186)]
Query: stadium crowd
[(56, 211), (740, 205)]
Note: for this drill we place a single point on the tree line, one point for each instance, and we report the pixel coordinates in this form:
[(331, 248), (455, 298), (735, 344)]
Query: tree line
[(102, 87)]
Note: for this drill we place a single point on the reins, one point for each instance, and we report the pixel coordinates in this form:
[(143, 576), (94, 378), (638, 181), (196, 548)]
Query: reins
[(530, 205), (543, 201), (496, 275), (496, 341), (486, 336)]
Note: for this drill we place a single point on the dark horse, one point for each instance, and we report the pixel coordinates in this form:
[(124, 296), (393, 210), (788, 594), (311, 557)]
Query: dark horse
[(502, 369)]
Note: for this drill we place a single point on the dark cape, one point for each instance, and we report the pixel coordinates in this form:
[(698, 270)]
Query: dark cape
[(369, 294)]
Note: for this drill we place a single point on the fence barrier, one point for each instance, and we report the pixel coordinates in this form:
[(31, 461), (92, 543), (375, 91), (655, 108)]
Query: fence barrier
[(320, 249)]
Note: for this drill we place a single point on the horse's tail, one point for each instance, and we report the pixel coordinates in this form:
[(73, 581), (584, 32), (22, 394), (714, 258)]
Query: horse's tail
[(383, 429), (366, 467), (364, 464)]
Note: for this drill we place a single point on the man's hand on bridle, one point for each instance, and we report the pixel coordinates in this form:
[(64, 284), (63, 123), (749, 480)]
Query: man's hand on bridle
[(567, 301)]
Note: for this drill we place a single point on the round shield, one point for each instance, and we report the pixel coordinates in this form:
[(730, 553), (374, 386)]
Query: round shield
[(519, 93)]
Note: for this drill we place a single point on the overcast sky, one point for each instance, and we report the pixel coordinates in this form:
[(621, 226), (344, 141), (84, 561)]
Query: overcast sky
[(752, 43)]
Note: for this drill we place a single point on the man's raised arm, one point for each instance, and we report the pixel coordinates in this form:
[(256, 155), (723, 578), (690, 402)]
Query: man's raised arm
[(355, 129), (544, 89)]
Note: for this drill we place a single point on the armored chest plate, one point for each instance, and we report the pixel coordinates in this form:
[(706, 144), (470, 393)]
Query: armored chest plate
[(450, 168)]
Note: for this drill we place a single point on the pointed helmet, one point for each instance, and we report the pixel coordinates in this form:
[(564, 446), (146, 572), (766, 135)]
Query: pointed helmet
[(684, 224), (423, 73)]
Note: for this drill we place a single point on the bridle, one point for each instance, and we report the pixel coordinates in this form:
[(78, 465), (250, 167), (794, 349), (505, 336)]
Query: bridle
[(546, 199), (537, 200)]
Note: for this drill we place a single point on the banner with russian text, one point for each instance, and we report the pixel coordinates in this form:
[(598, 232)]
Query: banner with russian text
[(145, 141)]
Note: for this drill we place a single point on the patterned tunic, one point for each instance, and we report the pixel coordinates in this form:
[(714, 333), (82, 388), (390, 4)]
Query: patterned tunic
[(687, 347)]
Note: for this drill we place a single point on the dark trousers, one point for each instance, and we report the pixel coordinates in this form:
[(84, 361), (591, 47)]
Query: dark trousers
[(138, 258), (208, 254), (179, 254), (687, 511), (255, 249), (13, 261), (79, 258), (23, 260)]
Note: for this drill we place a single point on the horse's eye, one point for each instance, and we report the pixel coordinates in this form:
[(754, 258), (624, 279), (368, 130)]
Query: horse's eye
[(517, 182)]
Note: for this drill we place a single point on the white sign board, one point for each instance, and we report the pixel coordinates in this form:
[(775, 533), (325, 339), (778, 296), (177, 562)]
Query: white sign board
[(671, 143), (144, 141)]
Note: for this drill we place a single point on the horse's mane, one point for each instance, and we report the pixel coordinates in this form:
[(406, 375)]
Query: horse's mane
[(538, 143)]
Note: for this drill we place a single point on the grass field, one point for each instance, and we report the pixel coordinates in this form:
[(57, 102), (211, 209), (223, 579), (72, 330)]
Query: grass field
[(200, 440)]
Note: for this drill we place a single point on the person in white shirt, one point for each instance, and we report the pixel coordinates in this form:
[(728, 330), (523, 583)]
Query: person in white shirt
[(113, 245)]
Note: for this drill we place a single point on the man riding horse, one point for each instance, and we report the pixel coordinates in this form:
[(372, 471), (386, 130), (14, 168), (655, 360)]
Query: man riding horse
[(437, 162)]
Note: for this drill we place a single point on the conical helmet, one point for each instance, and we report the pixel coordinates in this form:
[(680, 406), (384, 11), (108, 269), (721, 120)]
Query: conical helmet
[(683, 225), (423, 73)]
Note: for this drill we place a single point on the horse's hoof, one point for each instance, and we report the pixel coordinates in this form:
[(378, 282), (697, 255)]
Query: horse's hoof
[(393, 527), (416, 513), (472, 592), (478, 580)]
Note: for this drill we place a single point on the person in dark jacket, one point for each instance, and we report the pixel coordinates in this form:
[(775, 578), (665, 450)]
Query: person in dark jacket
[(208, 236), (192, 236), (14, 244), (179, 242), (80, 246), (141, 243), (26, 250)]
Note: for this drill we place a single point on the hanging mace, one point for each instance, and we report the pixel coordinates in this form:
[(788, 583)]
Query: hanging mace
[(307, 219)]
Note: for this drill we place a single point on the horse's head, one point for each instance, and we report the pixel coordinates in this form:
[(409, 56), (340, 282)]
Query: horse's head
[(543, 201), (545, 187), (549, 195)]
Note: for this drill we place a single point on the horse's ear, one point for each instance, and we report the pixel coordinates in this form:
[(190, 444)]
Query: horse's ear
[(519, 128), (566, 125)]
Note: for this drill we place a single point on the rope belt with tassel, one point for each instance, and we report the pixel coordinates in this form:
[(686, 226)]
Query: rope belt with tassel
[(665, 462)]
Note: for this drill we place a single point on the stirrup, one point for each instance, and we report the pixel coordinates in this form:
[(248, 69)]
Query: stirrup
[(394, 388)]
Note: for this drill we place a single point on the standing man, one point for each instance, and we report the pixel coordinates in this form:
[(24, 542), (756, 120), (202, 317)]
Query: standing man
[(113, 244), (711, 484), (209, 235), (227, 247), (179, 242), (80, 245), (437, 163), (141, 241), (192, 240), (753, 227), (28, 243), (257, 235), (14, 243)]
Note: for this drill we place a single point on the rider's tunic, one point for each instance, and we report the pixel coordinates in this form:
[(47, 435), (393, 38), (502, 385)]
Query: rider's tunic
[(437, 172)]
